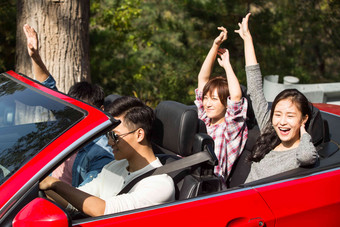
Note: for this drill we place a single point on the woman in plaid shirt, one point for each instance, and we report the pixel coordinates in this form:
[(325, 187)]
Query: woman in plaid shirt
[(222, 107)]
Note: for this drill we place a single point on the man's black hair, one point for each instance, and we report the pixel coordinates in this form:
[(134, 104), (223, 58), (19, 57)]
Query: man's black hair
[(136, 113), (89, 93)]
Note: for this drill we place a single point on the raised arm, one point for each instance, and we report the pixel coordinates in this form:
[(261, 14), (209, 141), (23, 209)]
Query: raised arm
[(254, 76), (249, 51), (40, 71), (204, 74), (233, 83)]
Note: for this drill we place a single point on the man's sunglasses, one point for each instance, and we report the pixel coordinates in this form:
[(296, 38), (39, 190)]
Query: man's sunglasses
[(115, 137)]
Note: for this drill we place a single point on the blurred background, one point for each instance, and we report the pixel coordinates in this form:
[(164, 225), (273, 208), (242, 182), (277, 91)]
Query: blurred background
[(153, 49)]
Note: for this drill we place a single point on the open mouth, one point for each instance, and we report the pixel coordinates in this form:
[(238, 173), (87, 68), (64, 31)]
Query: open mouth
[(284, 131)]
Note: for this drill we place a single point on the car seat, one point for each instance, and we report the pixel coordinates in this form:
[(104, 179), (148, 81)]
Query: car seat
[(110, 98), (175, 135)]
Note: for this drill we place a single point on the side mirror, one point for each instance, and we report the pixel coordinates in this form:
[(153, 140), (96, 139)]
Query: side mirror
[(41, 212)]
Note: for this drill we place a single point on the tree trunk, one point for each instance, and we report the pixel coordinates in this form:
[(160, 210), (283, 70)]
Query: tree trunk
[(63, 31)]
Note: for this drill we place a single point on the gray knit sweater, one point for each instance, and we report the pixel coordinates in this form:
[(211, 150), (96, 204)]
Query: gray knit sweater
[(275, 161)]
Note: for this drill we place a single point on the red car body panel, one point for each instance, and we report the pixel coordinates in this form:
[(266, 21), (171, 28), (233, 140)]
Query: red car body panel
[(45, 208), (230, 209), (329, 108), (92, 119), (294, 203)]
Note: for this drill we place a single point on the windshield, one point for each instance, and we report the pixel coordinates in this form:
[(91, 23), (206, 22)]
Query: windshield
[(28, 122)]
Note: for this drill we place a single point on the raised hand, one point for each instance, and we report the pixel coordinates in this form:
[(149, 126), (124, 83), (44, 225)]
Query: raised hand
[(243, 30), (302, 129), (32, 40), (205, 72), (222, 37), (40, 71), (223, 61)]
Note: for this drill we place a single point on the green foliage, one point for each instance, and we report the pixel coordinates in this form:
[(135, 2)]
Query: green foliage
[(299, 38), (154, 49), (164, 45)]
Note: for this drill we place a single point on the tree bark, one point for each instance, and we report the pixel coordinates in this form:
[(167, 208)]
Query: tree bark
[(63, 31)]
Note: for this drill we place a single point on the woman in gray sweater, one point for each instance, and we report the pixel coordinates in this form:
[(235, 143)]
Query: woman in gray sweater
[(284, 143)]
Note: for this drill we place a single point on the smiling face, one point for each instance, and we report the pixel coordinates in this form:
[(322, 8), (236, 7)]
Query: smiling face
[(214, 108), (287, 120)]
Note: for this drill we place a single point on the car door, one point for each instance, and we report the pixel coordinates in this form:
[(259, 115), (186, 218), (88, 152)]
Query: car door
[(309, 201), (241, 207), (39, 128)]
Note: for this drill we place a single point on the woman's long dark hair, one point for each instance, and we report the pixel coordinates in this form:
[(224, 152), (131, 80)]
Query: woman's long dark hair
[(269, 138)]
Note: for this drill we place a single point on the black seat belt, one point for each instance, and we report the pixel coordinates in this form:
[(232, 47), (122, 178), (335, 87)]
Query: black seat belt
[(170, 168)]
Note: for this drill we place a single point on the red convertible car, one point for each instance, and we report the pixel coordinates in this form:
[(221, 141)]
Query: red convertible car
[(40, 128)]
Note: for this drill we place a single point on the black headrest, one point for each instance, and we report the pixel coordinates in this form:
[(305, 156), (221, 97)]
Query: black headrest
[(201, 125), (316, 126), (110, 98), (174, 128)]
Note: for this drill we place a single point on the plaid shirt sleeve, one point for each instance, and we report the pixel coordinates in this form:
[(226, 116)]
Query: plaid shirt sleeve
[(236, 130)]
